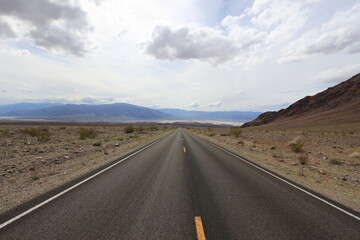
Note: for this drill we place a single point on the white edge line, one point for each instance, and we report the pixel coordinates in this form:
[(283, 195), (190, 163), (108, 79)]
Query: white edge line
[(72, 187), (285, 181)]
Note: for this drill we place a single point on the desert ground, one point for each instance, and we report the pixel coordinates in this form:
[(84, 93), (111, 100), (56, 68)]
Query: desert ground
[(322, 159), (37, 159)]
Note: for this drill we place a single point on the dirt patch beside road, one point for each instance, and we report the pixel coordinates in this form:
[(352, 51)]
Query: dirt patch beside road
[(327, 162), (37, 159)]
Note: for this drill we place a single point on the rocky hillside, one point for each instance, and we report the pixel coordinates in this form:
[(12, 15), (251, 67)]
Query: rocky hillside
[(340, 103)]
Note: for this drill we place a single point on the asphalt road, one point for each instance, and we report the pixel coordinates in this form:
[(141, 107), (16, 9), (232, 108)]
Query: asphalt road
[(157, 193)]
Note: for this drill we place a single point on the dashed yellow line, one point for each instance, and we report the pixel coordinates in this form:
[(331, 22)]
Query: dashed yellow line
[(184, 149), (199, 228)]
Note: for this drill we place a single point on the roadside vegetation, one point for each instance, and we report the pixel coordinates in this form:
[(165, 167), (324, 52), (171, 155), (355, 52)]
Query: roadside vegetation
[(235, 131), (42, 133), (87, 133), (129, 129)]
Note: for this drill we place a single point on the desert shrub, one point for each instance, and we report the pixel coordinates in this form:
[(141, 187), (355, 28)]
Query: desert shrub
[(63, 127), (272, 147), (120, 139), (153, 128), (241, 142), (297, 147), (87, 133), (235, 131), (212, 134), (303, 159), (41, 133), (140, 129), (97, 144), (134, 136), (129, 129), (296, 144), (335, 161)]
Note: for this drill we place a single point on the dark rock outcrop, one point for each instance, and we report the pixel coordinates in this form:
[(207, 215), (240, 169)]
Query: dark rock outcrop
[(330, 99)]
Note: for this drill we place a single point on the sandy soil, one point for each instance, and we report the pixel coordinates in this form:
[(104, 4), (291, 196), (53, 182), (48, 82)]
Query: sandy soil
[(29, 168), (322, 149)]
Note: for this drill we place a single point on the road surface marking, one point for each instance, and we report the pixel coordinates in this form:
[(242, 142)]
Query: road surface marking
[(199, 228), (285, 181), (184, 149), (72, 187)]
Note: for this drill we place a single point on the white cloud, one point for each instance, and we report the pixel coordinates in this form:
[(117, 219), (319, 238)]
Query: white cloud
[(204, 44), (239, 92), (339, 34), (273, 22), (57, 27), (215, 104), (193, 105), (337, 75)]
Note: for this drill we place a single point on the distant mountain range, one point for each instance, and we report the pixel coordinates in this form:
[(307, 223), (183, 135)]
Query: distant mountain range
[(83, 112), (335, 106), (114, 112), (234, 116)]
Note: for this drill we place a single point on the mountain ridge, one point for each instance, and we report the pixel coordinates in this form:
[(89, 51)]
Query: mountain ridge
[(115, 112), (327, 106)]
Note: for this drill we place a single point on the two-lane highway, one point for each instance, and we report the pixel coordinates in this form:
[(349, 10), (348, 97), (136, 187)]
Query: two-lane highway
[(175, 189)]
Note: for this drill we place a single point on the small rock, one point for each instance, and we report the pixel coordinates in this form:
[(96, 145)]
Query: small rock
[(32, 169), (106, 153), (294, 164), (343, 178), (322, 171), (57, 161), (39, 158), (66, 157), (117, 144), (41, 151)]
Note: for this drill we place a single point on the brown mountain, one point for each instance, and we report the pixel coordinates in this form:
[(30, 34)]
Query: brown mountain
[(336, 105)]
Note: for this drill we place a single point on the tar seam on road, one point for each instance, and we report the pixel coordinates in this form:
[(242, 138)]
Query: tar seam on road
[(199, 228), (72, 187), (285, 181)]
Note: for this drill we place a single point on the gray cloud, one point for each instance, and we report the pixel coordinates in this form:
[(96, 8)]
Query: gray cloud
[(337, 75), (6, 31), (339, 34), (185, 43), (54, 26)]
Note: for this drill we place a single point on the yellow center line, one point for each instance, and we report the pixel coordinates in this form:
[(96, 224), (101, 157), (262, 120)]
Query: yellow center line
[(184, 149), (199, 228)]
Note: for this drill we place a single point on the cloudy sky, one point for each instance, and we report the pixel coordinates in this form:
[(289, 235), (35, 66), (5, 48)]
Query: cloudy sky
[(191, 54)]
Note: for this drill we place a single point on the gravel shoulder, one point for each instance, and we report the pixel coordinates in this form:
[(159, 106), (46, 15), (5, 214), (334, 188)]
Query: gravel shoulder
[(328, 162), (31, 166)]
